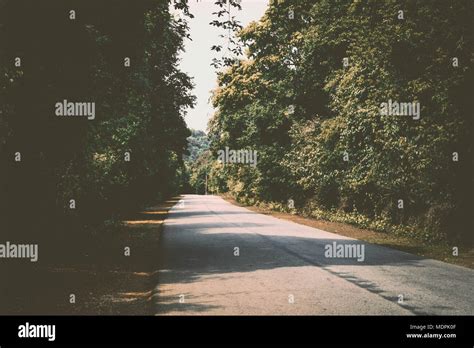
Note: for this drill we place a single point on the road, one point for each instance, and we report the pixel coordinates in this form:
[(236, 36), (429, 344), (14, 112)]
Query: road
[(280, 268)]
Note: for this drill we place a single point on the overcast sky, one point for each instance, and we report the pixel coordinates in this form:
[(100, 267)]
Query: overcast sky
[(198, 56)]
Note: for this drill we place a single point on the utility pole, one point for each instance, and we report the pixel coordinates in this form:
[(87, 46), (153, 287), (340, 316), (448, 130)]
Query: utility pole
[(206, 184)]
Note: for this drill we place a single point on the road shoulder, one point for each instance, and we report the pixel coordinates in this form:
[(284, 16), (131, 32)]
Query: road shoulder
[(441, 252)]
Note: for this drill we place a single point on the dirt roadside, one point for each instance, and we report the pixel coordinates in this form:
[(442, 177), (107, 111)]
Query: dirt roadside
[(105, 279)]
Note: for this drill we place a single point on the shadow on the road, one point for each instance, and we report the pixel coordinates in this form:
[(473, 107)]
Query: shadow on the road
[(170, 304), (177, 213), (198, 244), (196, 253)]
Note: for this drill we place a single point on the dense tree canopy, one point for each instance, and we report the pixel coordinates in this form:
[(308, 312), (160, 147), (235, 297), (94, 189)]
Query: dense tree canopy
[(123, 57), (306, 94), (308, 97)]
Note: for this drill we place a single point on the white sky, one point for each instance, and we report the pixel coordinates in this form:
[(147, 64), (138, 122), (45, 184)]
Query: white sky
[(197, 58)]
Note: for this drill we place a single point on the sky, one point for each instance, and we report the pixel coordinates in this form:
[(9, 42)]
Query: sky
[(197, 58)]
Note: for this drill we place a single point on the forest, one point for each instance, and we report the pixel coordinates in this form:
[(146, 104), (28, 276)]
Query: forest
[(351, 112), (312, 95), (306, 95), (62, 174)]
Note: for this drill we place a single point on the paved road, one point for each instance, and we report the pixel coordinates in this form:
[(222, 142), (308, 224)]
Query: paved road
[(281, 268)]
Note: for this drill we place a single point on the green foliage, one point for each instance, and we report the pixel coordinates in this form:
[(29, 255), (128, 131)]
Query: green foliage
[(139, 109), (202, 168), (198, 142), (336, 113)]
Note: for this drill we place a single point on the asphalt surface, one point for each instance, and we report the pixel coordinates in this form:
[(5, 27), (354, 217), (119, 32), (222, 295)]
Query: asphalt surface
[(280, 268)]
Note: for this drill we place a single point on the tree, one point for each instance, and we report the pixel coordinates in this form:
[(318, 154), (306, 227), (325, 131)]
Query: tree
[(308, 96)]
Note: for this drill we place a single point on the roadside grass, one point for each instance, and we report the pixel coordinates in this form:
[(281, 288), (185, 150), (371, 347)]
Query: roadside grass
[(441, 251), (103, 280)]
